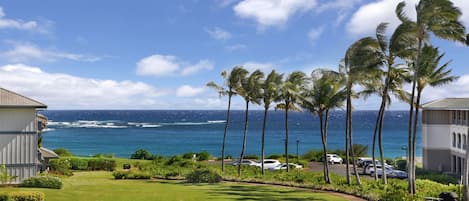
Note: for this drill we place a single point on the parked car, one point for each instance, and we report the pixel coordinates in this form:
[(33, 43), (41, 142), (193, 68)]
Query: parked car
[(283, 166), (246, 162), (334, 158), (362, 160), (370, 169), (397, 174), (269, 163)]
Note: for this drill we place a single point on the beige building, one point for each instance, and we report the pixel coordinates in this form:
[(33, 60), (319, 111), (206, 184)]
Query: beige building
[(445, 134), (19, 130)]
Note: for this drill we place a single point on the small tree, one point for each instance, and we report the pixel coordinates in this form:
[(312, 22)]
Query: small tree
[(5, 178)]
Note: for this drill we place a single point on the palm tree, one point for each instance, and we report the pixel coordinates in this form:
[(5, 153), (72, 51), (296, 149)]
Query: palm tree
[(270, 94), (393, 81), (290, 92), (232, 81), (251, 91), (359, 66), (326, 93), (441, 18)]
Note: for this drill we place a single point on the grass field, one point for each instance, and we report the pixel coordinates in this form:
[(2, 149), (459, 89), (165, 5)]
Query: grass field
[(100, 186)]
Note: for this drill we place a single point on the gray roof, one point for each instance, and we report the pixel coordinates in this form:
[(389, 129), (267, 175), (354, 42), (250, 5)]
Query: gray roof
[(448, 104), (12, 99)]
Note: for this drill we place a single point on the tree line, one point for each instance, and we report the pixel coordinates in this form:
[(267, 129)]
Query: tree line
[(381, 65)]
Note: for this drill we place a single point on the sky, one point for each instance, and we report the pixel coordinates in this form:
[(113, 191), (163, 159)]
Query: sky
[(160, 54)]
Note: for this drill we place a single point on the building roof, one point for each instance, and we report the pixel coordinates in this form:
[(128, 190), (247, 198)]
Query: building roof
[(12, 99), (448, 104)]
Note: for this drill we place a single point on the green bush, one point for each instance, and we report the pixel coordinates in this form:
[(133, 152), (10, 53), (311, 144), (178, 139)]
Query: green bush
[(78, 164), (131, 175), (42, 182), (401, 164), (174, 160), (62, 152), (101, 155), (203, 176), (101, 164), (141, 154), (252, 156), (436, 176), (188, 155), (203, 156), (274, 156), (22, 196), (60, 166)]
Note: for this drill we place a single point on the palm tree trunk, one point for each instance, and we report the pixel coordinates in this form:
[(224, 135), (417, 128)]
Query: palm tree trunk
[(286, 135), (324, 149), (324, 145), (354, 163), (244, 138), (263, 139), (373, 146), (224, 134), (414, 134), (347, 127), (380, 142)]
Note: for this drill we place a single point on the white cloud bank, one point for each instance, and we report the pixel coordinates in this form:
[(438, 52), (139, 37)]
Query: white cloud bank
[(24, 52), (268, 13), (189, 91), (63, 91), (367, 17), (457, 89), (162, 65)]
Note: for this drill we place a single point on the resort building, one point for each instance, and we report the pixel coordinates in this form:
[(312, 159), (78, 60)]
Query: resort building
[(19, 132), (444, 134)]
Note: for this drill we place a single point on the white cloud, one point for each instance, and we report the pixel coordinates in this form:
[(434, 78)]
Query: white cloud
[(19, 24), (315, 33), (157, 65), (368, 16), (201, 65), (272, 12), (23, 52), (219, 33), (252, 66), (189, 91), (457, 89), (162, 65), (64, 91), (235, 47)]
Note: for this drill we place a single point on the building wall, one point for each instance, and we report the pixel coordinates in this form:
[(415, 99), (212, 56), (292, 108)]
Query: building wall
[(18, 141)]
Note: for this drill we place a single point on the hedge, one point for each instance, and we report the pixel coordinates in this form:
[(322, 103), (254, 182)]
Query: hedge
[(42, 182), (22, 196)]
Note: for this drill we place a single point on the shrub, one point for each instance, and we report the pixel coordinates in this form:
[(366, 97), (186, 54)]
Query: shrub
[(60, 166), (274, 156), (203, 176), (174, 160), (101, 155), (78, 164), (62, 152), (188, 155), (101, 164), (131, 175), (42, 182), (3, 197), (141, 154), (252, 156), (203, 156), (401, 164), (25, 196)]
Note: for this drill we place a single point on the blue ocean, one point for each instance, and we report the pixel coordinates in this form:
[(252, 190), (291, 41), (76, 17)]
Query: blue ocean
[(170, 132)]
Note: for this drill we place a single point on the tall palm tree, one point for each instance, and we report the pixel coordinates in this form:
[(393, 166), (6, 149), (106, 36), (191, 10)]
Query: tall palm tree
[(393, 80), (270, 94), (326, 93), (290, 91), (441, 18), (251, 91), (359, 66), (232, 81)]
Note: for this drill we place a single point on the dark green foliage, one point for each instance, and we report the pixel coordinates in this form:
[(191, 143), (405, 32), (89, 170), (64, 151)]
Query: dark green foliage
[(203, 176), (78, 164), (141, 154), (62, 152), (101, 164), (360, 150), (436, 176), (401, 164), (203, 156), (60, 166), (188, 155), (131, 175), (23, 196), (252, 156), (174, 160), (42, 182), (274, 156)]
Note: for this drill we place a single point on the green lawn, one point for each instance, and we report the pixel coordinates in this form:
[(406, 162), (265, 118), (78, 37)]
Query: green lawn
[(100, 186)]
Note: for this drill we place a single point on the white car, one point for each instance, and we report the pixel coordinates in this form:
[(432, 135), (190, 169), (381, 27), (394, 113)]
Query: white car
[(370, 169), (283, 166), (334, 158), (247, 162), (269, 163)]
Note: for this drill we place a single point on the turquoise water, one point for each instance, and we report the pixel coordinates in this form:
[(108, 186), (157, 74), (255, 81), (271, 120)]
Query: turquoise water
[(170, 132)]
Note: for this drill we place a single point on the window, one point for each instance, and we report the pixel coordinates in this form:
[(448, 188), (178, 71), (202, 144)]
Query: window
[(459, 165), (459, 140), (464, 142), (454, 139), (454, 163), (454, 116)]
